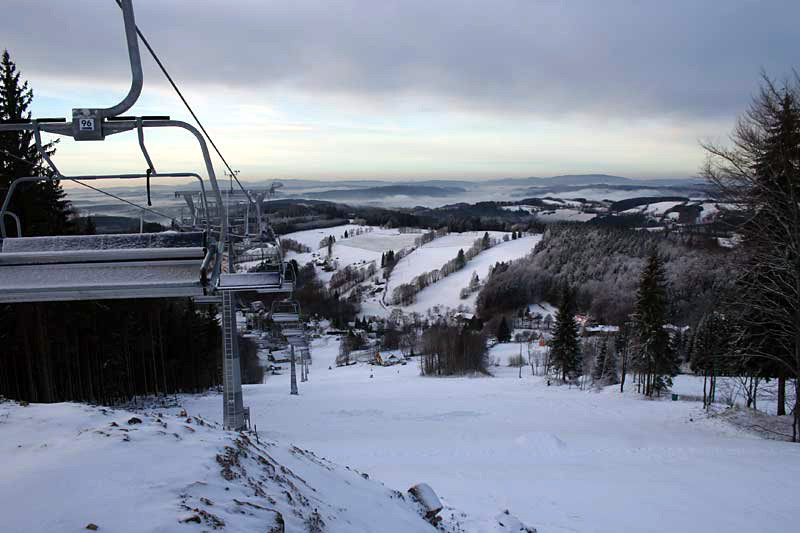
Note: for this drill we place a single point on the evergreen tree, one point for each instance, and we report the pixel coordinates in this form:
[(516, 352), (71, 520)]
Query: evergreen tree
[(503, 331), (761, 175), (610, 372), (600, 364), (460, 259), (40, 206), (565, 347), (474, 281), (485, 242), (653, 356)]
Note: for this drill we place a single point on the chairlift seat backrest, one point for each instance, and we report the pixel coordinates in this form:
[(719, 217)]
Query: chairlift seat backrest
[(167, 239), (87, 267)]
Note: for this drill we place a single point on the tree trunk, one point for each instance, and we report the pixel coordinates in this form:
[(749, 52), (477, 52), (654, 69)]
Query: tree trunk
[(781, 395)]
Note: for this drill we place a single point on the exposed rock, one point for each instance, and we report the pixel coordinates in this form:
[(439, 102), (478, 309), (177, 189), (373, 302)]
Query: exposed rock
[(92, 527), (428, 500), (277, 525), (187, 518), (134, 420)]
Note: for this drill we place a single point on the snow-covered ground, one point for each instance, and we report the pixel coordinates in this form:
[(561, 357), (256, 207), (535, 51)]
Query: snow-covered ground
[(570, 215), (356, 251), (560, 459), (67, 466), (657, 209), (433, 255)]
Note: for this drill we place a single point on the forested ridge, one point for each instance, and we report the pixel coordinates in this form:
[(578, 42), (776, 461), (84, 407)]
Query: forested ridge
[(603, 264)]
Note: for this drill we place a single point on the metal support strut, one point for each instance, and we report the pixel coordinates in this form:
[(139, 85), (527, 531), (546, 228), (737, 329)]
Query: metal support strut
[(293, 373), (233, 406)]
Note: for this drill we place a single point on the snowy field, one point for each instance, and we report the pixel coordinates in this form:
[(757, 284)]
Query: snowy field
[(565, 215), (657, 209), (358, 250), (433, 255), (560, 459)]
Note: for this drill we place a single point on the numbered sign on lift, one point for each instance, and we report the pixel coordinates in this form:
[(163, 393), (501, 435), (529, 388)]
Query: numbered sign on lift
[(87, 125)]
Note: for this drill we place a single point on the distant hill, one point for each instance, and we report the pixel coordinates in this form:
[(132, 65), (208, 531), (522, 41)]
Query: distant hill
[(374, 193), (572, 180)]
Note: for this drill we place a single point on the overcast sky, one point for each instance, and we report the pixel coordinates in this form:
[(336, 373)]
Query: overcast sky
[(417, 89)]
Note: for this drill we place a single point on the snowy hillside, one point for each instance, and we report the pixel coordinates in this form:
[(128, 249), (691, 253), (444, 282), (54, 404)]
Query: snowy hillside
[(66, 466), (433, 255), (356, 250), (445, 292)]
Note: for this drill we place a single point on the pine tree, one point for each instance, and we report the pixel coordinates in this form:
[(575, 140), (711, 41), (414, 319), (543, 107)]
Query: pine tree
[(460, 259), (761, 175), (503, 331), (600, 364), (565, 347), (485, 242), (610, 372), (474, 281), (653, 357), (40, 206)]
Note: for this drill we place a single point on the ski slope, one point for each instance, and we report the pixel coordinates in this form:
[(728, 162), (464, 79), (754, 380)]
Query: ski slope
[(352, 251), (445, 292), (434, 255), (559, 458)]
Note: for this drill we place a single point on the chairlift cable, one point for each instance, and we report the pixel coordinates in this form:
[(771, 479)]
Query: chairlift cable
[(185, 102)]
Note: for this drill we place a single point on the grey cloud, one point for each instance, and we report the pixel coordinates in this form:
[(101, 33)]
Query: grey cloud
[(621, 58)]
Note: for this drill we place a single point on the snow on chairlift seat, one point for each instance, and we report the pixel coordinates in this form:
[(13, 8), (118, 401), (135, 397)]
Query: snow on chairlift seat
[(260, 281), (83, 267), (283, 311), (298, 341), (284, 317)]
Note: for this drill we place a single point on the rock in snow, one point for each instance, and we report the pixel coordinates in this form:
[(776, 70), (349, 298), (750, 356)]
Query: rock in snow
[(428, 499)]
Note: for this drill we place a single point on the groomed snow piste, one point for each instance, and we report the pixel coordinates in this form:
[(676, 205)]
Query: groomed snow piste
[(560, 459)]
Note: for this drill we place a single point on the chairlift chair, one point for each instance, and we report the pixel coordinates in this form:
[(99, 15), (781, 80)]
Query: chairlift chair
[(283, 311), (141, 266)]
